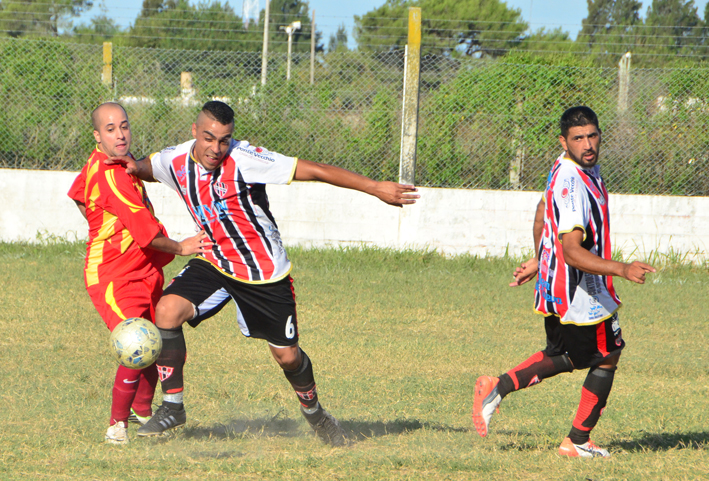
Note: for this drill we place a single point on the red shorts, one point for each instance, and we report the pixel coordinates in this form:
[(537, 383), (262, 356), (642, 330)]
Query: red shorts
[(120, 300)]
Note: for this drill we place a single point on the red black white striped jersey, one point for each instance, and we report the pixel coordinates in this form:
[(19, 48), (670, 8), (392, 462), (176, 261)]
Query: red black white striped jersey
[(574, 198), (231, 205)]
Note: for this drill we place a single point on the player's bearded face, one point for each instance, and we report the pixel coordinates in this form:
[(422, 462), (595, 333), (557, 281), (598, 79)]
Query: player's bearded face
[(113, 135), (582, 144), (212, 141)]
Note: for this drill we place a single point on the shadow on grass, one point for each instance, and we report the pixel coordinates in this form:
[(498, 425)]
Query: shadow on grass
[(289, 428), (665, 442), (270, 427), (364, 430)]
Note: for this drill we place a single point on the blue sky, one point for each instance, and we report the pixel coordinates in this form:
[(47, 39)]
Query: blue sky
[(329, 14)]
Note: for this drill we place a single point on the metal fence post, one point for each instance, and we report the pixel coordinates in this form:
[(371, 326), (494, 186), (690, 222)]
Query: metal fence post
[(107, 73), (623, 82), (410, 110)]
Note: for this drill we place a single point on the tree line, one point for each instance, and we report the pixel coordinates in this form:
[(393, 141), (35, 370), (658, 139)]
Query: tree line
[(670, 32)]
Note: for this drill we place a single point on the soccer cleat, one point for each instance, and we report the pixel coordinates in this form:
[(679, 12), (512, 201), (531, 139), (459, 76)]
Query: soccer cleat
[(137, 419), (585, 450), (117, 434), (485, 401), (326, 427), (164, 418)]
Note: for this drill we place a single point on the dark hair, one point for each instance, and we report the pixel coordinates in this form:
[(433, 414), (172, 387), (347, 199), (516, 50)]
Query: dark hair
[(577, 117), (219, 111)]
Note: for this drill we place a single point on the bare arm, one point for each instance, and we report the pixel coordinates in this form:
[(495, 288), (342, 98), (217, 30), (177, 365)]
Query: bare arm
[(578, 257), (538, 228), (82, 208), (142, 168), (197, 244), (390, 192)]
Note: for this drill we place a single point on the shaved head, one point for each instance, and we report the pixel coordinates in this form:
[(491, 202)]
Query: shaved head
[(101, 109), (111, 129)]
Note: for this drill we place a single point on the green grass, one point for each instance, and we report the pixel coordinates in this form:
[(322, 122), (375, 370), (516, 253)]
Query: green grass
[(397, 340)]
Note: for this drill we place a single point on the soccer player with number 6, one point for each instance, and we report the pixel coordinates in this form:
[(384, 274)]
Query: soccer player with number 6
[(222, 183)]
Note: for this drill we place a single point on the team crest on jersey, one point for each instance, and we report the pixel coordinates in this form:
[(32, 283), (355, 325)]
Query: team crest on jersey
[(221, 188)]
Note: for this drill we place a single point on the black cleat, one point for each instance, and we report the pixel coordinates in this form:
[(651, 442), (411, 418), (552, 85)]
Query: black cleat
[(164, 418), (326, 427)]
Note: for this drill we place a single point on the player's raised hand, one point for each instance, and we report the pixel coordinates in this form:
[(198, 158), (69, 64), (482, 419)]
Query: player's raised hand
[(198, 244), (125, 160), (395, 194), (525, 272), (636, 271)]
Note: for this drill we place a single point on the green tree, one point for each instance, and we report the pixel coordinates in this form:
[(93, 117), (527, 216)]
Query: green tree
[(484, 28), (673, 31), (551, 41), (611, 28), (100, 29), (177, 24), (40, 18), (338, 40), (284, 13)]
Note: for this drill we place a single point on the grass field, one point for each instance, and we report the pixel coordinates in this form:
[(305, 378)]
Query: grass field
[(397, 341)]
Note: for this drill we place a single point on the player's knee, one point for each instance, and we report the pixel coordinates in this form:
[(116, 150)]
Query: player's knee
[(287, 358), (173, 311)]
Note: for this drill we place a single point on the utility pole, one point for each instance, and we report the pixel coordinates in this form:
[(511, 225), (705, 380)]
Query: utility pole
[(290, 29), (264, 54)]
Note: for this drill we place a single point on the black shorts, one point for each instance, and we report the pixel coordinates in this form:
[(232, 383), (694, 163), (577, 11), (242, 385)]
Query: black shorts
[(586, 346), (263, 311)]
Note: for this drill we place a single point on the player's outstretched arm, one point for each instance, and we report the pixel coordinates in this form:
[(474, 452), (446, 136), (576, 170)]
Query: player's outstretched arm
[(142, 168), (576, 256), (390, 192), (197, 244), (525, 272)]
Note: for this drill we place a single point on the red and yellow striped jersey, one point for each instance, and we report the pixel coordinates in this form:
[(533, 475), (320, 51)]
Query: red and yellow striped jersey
[(121, 223)]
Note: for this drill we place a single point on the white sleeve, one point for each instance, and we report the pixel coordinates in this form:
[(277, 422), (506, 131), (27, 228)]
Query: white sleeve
[(161, 167), (571, 200), (260, 166)]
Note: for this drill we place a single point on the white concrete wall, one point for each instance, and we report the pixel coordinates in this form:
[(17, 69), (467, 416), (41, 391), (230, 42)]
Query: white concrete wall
[(452, 221)]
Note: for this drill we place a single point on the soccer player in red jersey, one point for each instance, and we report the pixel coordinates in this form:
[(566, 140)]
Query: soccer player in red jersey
[(126, 251), (574, 290), (222, 183)]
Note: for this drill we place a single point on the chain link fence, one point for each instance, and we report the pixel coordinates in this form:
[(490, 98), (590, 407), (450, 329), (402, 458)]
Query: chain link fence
[(483, 124)]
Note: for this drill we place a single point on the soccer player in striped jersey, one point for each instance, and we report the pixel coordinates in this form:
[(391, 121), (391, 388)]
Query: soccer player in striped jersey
[(222, 183), (126, 252), (574, 291)]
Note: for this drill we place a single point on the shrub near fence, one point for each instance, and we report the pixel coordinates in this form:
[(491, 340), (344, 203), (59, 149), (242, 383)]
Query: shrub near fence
[(483, 124)]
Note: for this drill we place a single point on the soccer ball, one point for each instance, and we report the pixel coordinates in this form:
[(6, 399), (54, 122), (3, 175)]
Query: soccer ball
[(136, 343)]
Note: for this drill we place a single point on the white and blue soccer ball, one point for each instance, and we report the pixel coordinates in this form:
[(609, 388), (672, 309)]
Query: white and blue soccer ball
[(136, 343)]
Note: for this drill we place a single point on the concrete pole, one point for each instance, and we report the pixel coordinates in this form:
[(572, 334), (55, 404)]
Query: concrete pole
[(107, 73), (289, 31), (410, 110), (312, 50), (623, 82), (264, 54)]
